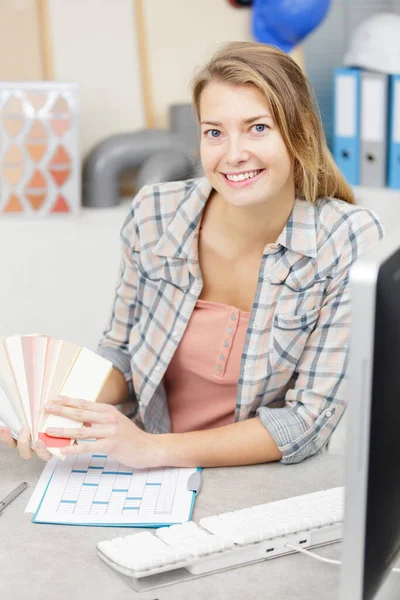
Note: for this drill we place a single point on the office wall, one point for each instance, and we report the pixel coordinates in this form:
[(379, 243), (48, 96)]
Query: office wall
[(94, 43), (182, 35), (20, 40)]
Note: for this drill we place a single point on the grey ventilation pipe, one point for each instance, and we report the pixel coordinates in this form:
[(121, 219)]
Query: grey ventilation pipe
[(161, 154)]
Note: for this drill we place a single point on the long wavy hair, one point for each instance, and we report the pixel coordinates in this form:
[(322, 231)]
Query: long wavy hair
[(294, 110)]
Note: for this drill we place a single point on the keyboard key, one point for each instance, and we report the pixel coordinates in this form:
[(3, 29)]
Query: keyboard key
[(140, 552), (275, 519), (192, 539)]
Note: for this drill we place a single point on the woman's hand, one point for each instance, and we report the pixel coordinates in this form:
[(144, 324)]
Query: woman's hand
[(115, 434), (23, 443)]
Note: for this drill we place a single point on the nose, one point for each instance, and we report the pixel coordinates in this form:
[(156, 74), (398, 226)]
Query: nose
[(236, 152)]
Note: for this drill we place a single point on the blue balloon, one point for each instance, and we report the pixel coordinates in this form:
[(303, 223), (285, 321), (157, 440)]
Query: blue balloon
[(285, 23)]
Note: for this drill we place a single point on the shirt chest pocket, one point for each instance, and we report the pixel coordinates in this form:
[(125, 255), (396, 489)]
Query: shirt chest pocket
[(288, 338), (172, 271)]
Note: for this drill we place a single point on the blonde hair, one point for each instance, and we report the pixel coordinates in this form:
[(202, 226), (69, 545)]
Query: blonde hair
[(294, 110)]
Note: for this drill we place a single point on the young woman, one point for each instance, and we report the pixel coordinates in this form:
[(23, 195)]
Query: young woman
[(231, 315)]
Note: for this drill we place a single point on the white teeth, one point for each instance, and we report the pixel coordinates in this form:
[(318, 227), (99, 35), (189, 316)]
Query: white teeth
[(242, 176)]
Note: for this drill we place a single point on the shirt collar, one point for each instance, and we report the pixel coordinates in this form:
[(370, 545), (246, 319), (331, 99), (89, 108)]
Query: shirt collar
[(177, 241), (300, 232), (298, 235)]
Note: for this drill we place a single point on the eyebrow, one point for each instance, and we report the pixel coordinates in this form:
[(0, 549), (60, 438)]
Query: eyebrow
[(246, 121)]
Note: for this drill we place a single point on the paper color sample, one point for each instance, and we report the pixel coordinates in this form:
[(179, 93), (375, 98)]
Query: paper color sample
[(36, 368), (40, 166), (10, 391)]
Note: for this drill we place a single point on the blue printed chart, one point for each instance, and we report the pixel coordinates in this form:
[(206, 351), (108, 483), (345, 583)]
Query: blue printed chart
[(94, 489)]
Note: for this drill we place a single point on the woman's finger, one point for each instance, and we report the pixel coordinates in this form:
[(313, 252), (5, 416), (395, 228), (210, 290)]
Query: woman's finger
[(80, 415), (23, 443), (79, 403), (83, 411), (6, 437), (100, 446), (41, 450), (83, 433)]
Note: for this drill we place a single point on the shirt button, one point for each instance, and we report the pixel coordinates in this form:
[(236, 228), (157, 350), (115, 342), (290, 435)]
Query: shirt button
[(158, 369), (267, 279), (174, 333), (226, 343), (328, 413), (230, 329), (219, 368), (233, 317), (222, 357), (246, 367)]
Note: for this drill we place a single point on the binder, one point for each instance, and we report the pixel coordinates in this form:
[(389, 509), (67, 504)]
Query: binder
[(373, 130), (394, 134), (346, 138)]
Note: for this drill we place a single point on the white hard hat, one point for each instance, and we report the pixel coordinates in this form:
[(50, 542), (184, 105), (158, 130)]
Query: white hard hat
[(375, 44)]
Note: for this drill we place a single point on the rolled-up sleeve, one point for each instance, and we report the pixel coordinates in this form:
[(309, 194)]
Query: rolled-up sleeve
[(315, 404), (114, 344)]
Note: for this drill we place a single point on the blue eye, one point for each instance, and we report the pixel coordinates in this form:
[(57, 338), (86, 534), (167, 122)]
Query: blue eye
[(259, 128), (213, 133)]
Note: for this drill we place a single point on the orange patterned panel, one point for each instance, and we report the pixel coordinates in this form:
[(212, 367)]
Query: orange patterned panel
[(36, 190), (60, 116), (61, 205), (36, 141), (13, 165), (60, 166), (14, 205), (13, 116), (37, 99)]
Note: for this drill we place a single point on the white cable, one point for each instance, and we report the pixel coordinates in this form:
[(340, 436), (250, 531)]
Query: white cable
[(317, 556), (327, 560)]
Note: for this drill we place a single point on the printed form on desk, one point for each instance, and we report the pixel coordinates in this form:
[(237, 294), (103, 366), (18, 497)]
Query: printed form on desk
[(95, 489)]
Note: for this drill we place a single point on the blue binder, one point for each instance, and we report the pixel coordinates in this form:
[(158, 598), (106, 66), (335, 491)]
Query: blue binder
[(346, 133), (394, 134)]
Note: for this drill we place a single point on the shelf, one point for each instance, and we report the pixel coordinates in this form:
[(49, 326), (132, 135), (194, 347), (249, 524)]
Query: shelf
[(385, 202), (375, 194)]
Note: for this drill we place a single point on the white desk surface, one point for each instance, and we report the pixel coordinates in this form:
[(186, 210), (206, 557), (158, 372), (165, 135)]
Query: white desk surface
[(55, 561)]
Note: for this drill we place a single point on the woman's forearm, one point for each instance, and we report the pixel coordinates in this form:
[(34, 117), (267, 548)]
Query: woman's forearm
[(243, 443), (115, 389)]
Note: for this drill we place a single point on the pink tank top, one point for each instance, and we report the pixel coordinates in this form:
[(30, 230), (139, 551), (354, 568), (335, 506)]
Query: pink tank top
[(202, 377)]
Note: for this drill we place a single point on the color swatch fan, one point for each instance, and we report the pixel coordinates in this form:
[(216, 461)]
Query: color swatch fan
[(34, 369)]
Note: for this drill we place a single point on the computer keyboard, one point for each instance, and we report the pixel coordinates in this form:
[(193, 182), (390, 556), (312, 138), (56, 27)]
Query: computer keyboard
[(230, 539)]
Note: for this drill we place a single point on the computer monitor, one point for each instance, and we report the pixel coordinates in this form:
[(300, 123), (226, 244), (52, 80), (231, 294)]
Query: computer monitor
[(371, 538)]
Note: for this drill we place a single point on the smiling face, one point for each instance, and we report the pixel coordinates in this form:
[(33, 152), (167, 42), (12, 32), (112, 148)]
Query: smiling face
[(242, 150)]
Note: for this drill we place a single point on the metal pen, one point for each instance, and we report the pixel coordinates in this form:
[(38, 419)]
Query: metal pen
[(12, 495)]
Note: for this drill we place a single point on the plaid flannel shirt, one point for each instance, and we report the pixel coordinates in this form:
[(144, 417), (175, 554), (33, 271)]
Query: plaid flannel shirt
[(292, 373)]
